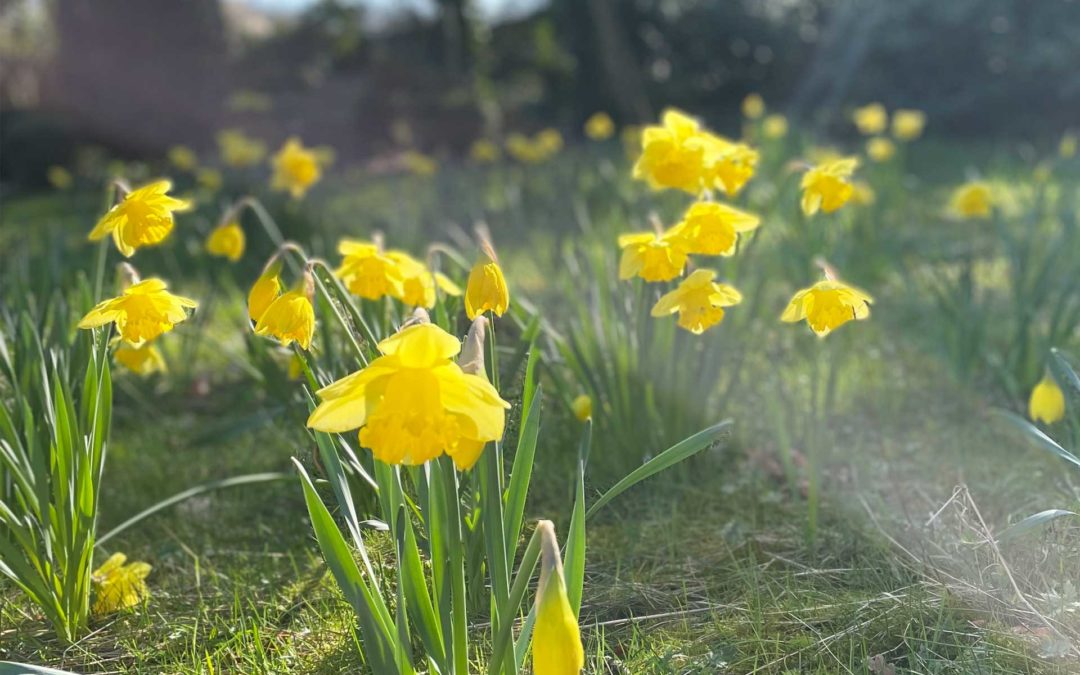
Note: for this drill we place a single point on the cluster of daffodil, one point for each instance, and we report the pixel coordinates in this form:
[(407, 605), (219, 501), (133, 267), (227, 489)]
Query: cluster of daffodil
[(873, 120)]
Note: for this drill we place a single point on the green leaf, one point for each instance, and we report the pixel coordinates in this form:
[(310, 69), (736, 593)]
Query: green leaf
[(574, 558), (1034, 521), (682, 450), (1034, 434), (521, 474)]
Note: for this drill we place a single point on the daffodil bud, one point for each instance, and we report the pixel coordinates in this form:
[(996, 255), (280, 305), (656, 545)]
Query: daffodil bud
[(472, 353), (266, 289), (582, 407), (556, 643), (1047, 403)]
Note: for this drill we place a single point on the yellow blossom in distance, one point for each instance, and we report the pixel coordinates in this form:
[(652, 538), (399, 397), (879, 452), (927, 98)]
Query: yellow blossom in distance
[(484, 151), (1047, 404), (600, 126), (712, 228), (827, 186), (419, 164), (144, 360), (753, 106), (209, 178), (556, 641), (486, 289), (727, 165), (142, 312), (582, 407), (290, 317), (118, 585), (871, 119), (59, 177), (183, 158), (368, 272), (672, 154), (653, 256), (238, 150), (827, 305), (417, 282), (144, 217), (550, 142), (1068, 145), (862, 194), (414, 402), (264, 291), (880, 149), (296, 168), (698, 300), (775, 126), (226, 241), (972, 200), (907, 125)]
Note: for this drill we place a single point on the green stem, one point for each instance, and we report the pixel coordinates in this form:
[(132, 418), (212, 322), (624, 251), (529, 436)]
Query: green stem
[(513, 602)]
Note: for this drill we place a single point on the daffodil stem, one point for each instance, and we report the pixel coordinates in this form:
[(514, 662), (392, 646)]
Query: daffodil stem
[(99, 268), (330, 300), (517, 594), (455, 541)]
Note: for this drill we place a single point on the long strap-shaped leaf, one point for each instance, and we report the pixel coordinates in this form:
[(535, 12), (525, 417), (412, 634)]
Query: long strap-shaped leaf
[(1035, 434)]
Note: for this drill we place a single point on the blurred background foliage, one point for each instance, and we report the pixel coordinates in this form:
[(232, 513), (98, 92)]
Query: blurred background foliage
[(371, 76)]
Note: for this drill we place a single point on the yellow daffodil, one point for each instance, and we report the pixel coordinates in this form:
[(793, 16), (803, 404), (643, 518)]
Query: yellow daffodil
[(144, 311), (59, 177), (419, 164), (226, 241), (775, 126), (484, 151), (880, 149), (118, 585), (414, 402), (673, 154), (699, 301), (290, 317), (296, 168), (827, 187), (447, 285), (486, 290), (417, 282), (972, 200), (556, 640), (264, 291), (753, 106), (368, 272), (238, 150), (249, 100), (143, 218), (862, 194), (1047, 404), (144, 360), (521, 148), (727, 165), (1067, 147), (600, 126), (827, 305), (652, 256), (712, 228), (183, 158), (582, 407), (550, 141), (871, 119), (907, 125), (209, 178)]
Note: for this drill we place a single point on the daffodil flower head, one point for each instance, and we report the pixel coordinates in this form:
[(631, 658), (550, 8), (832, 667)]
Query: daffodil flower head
[(144, 217), (972, 200), (368, 272), (907, 125), (556, 641), (417, 281), (486, 289), (712, 228), (1047, 403), (699, 301), (414, 403), (550, 142), (880, 149), (871, 119), (227, 241), (142, 312), (673, 154), (59, 177), (296, 168), (265, 290), (775, 126), (653, 256), (582, 407), (183, 158), (419, 164), (600, 126), (727, 165), (753, 106), (238, 150), (862, 194), (145, 360), (827, 305), (118, 585), (210, 179), (484, 151), (827, 186), (289, 318)]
